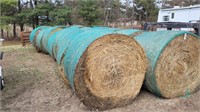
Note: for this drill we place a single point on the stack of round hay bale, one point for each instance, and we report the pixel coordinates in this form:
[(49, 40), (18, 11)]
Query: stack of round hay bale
[(106, 67)]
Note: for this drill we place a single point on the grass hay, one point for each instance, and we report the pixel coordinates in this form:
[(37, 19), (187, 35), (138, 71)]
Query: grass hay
[(178, 68), (174, 62), (110, 72)]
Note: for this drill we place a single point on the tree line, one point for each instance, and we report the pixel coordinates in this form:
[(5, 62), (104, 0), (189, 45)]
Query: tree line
[(85, 12)]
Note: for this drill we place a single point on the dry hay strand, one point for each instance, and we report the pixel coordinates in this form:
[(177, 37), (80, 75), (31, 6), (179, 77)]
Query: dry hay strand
[(178, 69), (63, 75), (110, 72)]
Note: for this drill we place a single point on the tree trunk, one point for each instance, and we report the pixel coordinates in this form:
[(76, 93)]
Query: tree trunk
[(33, 19), (19, 5), (14, 30), (31, 3), (118, 10), (106, 12), (133, 11), (36, 20), (70, 23), (106, 18), (47, 17), (21, 27), (2, 35), (118, 13), (35, 2), (7, 33), (33, 23)]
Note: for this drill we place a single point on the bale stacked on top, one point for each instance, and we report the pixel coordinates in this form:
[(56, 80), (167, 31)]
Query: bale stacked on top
[(174, 58), (106, 70)]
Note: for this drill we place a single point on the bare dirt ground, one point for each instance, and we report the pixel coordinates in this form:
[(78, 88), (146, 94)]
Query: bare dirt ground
[(33, 83)]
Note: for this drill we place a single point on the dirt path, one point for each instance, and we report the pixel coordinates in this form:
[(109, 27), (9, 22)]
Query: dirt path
[(33, 83)]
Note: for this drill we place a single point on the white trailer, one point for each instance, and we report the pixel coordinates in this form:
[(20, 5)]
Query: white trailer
[(190, 14), (180, 14)]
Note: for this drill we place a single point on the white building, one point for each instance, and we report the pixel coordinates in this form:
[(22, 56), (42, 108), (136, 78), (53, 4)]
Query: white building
[(180, 14)]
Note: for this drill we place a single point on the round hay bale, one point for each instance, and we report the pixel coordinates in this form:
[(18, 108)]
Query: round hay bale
[(110, 72), (59, 38), (51, 43), (47, 37), (35, 32), (64, 44), (67, 37), (179, 66), (38, 40), (174, 62)]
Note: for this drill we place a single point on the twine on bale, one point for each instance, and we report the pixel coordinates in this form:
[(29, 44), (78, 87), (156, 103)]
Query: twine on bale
[(110, 72), (178, 70)]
